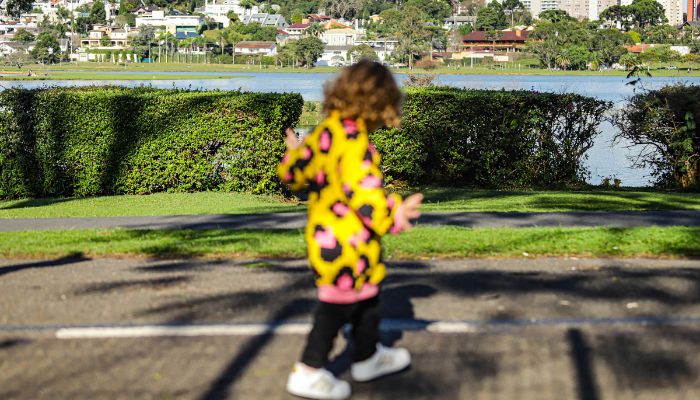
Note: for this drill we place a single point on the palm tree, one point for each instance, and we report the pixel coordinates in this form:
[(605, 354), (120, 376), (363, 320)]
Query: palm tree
[(221, 35), (315, 29)]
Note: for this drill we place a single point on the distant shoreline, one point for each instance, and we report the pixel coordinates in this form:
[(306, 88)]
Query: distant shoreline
[(89, 69)]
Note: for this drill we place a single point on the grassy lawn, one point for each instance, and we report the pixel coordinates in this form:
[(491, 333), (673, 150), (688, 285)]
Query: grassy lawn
[(417, 244), (437, 199), (155, 204), (92, 76), (509, 69)]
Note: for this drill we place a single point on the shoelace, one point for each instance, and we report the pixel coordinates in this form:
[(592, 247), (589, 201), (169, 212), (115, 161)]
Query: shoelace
[(323, 384), (385, 359)]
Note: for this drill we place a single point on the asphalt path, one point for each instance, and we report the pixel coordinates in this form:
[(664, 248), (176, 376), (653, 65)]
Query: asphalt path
[(298, 220), (560, 328)]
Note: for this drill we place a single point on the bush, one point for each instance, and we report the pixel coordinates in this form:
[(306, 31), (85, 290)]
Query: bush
[(111, 140), (664, 123), (491, 138)]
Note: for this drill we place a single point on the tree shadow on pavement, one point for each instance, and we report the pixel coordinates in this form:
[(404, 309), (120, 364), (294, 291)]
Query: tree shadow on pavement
[(62, 261)]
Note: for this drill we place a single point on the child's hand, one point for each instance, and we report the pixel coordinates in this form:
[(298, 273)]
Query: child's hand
[(408, 210), (291, 140)]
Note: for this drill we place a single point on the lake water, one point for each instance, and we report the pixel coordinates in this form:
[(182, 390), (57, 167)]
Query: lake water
[(605, 159)]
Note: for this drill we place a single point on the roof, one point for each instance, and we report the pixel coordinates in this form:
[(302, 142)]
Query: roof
[(461, 18), (147, 9), (250, 44), (185, 35), (298, 26), (638, 48), (507, 36), (341, 31)]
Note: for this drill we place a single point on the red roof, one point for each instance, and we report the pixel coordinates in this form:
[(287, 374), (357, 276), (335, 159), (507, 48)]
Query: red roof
[(298, 26), (638, 48), (254, 45), (505, 36)]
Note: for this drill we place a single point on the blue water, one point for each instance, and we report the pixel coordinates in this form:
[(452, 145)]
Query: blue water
[(605, 159)]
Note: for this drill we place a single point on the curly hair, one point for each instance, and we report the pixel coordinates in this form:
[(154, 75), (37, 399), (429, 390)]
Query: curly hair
[(365, 90)]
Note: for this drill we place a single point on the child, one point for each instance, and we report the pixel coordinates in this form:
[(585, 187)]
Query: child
[(349, 212)]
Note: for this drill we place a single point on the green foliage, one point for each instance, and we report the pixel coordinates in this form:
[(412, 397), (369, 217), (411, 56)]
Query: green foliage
[(309, 49), (46, 49), (641, 14), (491, 17), (110, 140), (362, 51), (15, 8), (491, 138), (555, 16), (23, 36), (664, 123)]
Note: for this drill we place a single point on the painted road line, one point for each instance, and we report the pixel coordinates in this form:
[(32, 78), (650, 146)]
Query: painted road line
[(388, 325)]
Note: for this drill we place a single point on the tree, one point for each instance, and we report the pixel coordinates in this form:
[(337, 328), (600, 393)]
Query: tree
[(436, 10), (362, 51), (297, 16), (97, 12), (342, 8), (15, 8), (412, 33), (105, 42), (491, 17), (647, 12), (47, 48), (248, 5), (555, 16), (610, 45), (23, 36), (309, 49), (18, 59), (493, 35), (315, 30), (512, 7)]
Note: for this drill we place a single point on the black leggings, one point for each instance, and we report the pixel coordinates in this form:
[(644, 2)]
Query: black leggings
[(329, 318)]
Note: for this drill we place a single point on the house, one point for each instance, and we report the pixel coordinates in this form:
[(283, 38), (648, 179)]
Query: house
[(218, 10), (255, 48), (265, 19), (105, 36), (340, 37), (458, 20), (8, 48), (311, 18), (505, 40), (383, 47), (173, 24), (144, 11), (296, 31), (334, 56)]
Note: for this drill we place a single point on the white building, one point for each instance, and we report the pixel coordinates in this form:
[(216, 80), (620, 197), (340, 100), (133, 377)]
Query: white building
[(458, 20), (174, 24), (334, 56), (256, 48), (383, 47), (218, 10), (340, 37), (674, 11), (296, 31), (265, 19)]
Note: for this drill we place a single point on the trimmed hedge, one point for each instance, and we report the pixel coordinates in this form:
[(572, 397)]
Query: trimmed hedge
[(490, 138), (664, 124), (112, 140)]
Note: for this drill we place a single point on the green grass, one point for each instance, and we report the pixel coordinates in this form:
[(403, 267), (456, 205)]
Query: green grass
[(509, 70), (422, 242), (453, 199), (155, 204), (90, 75), (437, 199)]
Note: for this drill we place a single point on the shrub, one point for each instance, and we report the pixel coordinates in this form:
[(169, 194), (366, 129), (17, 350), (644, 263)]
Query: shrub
[(664, 123), (111, 140), (491, 138)]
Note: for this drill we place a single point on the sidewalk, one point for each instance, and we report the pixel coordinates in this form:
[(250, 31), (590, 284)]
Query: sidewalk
[(545, 329), (621, 219)]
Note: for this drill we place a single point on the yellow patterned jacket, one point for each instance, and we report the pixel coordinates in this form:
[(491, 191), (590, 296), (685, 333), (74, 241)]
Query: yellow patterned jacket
[(348, 209)]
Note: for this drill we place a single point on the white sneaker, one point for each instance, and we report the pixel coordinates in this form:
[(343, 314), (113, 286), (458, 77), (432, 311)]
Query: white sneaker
[(383, 362), (316, 384)]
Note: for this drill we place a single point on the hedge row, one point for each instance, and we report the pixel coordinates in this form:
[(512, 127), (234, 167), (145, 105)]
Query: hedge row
[(112, 140), (487, 138), (663, 124)]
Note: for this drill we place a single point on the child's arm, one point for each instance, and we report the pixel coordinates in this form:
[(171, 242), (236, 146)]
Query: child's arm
[(362, 185), (295, 169)]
